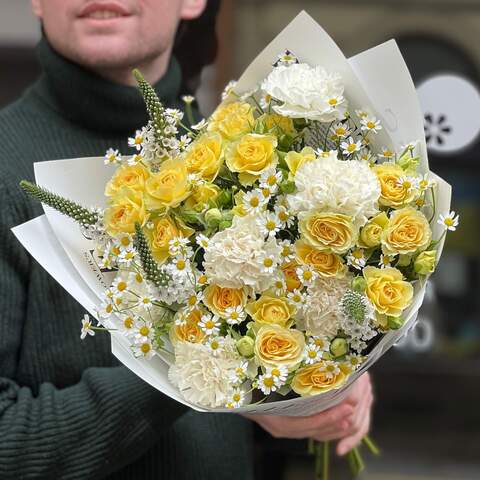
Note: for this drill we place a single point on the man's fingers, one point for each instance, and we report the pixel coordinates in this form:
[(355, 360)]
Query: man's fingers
[(347, 443)]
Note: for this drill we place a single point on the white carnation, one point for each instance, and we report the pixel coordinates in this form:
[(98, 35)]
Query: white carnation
[(322, 315), (234, 257), (201, 377), (306, 92), (337, 186)]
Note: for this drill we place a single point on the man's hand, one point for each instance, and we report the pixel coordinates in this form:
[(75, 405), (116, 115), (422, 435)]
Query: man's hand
[(348, 422)]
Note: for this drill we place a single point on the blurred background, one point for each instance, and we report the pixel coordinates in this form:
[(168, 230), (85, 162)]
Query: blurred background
[(427, 413)]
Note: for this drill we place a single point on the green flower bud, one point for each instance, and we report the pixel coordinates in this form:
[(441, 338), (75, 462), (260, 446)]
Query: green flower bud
[(359, 284), (394, 323), (338, 347), (404, 260), (213, 217), (287, 186), (408, 163), (224, 224), (425, 262), (245, 346)]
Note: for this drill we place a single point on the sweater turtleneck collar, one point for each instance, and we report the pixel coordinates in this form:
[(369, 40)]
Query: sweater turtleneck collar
[(93, 102)]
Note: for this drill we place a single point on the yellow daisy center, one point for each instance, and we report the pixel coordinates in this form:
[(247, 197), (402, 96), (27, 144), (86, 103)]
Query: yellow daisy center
[(145, 348), (128, 322), (268, 382), (144, 331)]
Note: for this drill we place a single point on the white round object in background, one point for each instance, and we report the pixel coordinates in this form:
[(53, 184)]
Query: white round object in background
[(451, 105)]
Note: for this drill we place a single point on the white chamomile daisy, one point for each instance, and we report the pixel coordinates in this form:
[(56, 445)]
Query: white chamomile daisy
[(306, 274), (135, 159), (138, 140), (209, 324), (370, 124), (177, 245), (254, 201), (385, 260), (408, 183), (409, 146), (181, 265), (279, 286), (119, 286), (356, 258), (200, 125), (297, 298), (449, 221), (285, 218), (142, 330), (202, 240), (335, 101), (312, 353), (106, 262), (268, 264), (279, 374), (361, 113), (228, 90), (239, 374), (127, 323), (351, 146), (126, 257), (270, 179), (143, 348), (354, 361), (215, 344), (269, 224), (184, 142), (265, 101), (86, 327), (175, 114), (288, 253), (321, 342), (136, 278), (266, 383), (340, 130), (235, 315), (236, 398), (425, 183), (330, 368), (286, 58), (112, 157), (387, 153), (146, 302), (194, 300), (366, 156)]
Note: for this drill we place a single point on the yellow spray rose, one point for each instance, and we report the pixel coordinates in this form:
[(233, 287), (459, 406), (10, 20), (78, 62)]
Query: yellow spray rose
[(371, 233), (271, 310), (408, 231), (327, 264), (204, 157), (169, 187), (275, 345), (290, 274), (232, 120), (126, 209), (188, 330), (278, 124), (392, 192), (295, 160), (333, 232), (252, 155), (218, 299), (387, 290), (131, 176), (165, 229), (315, 379), (201, 195), (425, 262)]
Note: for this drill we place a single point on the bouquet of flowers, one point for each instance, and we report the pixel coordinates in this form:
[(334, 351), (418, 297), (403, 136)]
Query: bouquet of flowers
[(263, 258)]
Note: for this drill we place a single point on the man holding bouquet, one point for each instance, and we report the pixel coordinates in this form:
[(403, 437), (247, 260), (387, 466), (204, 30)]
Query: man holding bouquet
[(67, 409)]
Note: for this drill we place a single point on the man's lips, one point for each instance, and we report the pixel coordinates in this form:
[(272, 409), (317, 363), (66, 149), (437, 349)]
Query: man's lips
[(102, 11)]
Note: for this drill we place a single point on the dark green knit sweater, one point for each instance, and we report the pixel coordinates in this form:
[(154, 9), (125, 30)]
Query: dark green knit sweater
[(67, 409)]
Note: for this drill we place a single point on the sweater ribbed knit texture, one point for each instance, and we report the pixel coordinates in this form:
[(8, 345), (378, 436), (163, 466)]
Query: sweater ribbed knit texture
[(68, 410)]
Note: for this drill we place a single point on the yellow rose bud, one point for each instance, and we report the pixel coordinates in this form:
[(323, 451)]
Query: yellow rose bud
[(169, 187), (387, 290), (275, 345), (315, 379), (278, 124), (425, 262), (188, 330), (204, 156), (252, 155), (332, 232), (218, 299), (295, 160), (232, 120), (327, 264), (165, 229), (131, 176), (291, 278), (271, 310), (201, 195), (127, 208), (407, 232), (371, 233), (392, 192)]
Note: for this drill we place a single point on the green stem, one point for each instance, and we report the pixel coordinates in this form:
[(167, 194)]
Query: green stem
[(189, 113), (352, 463), (326, 446), (311, 446), (358, 460), (371, 445)]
